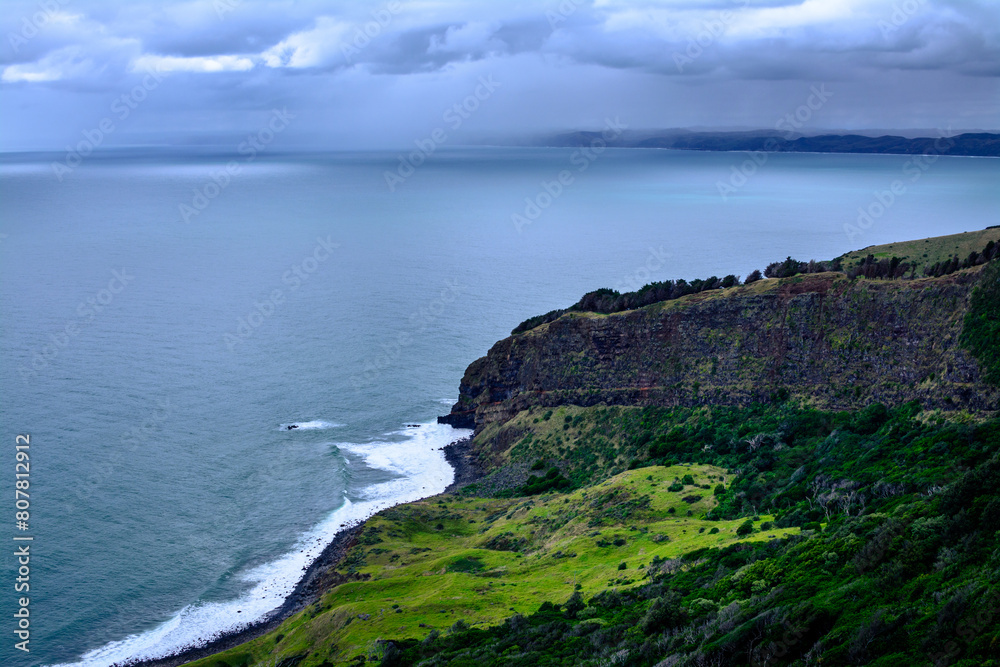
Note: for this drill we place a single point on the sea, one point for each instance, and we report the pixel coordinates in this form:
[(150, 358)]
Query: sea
[(166, 314)]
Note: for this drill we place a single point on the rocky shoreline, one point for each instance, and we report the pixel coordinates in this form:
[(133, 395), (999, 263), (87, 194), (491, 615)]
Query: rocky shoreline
[(320, 576), (467, 467)]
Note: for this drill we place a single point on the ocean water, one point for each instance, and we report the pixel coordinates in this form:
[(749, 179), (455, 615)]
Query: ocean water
[(162, 326)]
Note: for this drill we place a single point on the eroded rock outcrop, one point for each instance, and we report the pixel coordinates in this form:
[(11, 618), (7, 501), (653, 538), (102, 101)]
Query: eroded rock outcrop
[(835, 342)]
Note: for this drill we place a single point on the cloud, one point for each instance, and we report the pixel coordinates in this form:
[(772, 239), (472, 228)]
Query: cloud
[(319, 46), (75, 63), (191, 64), (475, 38), (662, 62)]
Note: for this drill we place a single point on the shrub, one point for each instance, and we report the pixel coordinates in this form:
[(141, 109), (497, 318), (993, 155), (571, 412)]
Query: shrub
[(391, 655), (665, 612), (574, 605), (786, 269), (468, 565), (720, 489), (745, 528), (553, 481)]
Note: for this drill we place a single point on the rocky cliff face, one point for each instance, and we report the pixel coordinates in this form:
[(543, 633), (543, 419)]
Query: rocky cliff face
[(834, 342)]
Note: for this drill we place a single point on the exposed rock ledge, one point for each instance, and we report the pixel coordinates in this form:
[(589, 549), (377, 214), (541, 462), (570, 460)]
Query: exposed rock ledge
[(838, 343)]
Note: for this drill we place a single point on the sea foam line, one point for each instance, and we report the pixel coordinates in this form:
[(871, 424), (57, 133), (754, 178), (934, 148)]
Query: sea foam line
[(424, 472), (316, 424)]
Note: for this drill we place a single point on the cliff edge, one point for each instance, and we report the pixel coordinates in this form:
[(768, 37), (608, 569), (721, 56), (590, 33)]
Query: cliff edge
[(831, 341)]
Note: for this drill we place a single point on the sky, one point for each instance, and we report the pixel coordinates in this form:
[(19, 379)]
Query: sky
[(357, 75)]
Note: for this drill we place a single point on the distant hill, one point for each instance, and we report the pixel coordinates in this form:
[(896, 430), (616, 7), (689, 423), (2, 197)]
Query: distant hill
[(982, 144)]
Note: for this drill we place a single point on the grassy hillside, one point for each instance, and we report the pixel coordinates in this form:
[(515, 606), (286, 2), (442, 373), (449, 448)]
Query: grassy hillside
[(429, 564), (873, 537), (925, 252)]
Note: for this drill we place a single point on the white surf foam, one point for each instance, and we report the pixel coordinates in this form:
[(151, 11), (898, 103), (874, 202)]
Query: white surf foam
[(309, 426), (424, 471)]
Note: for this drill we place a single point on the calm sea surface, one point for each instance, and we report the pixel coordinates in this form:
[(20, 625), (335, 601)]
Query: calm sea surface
[(156, 362)]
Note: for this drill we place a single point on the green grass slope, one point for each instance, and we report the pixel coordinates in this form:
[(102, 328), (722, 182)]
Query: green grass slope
[(872, 538), (429, 564), (926, 252)]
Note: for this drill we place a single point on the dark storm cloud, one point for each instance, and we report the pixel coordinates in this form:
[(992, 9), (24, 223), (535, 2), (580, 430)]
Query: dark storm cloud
[(384, 71)]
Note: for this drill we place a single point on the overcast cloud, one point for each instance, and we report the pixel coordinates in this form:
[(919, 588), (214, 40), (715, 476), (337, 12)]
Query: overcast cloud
[(381, 74)]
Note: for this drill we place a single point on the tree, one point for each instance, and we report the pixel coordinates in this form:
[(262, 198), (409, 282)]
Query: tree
[(574, 605), (665, 612), (786, 269)]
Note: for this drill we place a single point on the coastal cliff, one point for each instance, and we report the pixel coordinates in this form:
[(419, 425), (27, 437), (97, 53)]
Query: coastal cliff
[(689, 482), (830, 341)]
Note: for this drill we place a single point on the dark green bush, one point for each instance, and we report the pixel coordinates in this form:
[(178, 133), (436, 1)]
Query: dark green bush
[(981, 329)]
